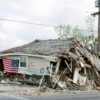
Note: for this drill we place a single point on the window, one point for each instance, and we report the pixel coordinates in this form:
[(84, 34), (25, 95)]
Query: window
[(23, 61), (15, 63)]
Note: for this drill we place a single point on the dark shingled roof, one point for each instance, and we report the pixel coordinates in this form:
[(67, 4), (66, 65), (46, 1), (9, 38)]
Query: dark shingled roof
[(42, 47)]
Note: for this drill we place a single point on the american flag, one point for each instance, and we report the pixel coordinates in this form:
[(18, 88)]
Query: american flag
[(10, 66)]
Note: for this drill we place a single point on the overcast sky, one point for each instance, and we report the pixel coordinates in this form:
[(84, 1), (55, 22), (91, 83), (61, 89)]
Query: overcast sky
[(50, 12)]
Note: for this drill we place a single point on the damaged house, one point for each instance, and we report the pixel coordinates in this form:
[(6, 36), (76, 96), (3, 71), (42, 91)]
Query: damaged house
[(64, 60), (32, 58)]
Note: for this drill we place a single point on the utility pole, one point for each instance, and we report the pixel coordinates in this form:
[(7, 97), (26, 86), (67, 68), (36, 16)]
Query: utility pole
[(98, 49), (97, 4)]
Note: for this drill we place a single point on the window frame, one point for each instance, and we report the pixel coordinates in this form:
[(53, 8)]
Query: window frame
[(26, 58)]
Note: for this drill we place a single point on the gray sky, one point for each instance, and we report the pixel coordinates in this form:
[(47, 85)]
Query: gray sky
[(50, 12)]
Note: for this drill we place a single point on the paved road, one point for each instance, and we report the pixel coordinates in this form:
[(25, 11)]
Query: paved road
[(77, 96)]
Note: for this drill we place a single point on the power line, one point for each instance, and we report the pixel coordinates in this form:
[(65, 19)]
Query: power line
[(27, 22), (44, 25)]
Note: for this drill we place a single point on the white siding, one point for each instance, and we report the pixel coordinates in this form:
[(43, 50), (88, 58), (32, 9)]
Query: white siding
[(34, 64), (38, 63)]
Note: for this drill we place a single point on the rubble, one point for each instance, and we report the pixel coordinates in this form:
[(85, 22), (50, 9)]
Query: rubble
[(80, 65), (78, 68)]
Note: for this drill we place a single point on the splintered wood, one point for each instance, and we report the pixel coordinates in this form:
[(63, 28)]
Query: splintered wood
[(79, 65)]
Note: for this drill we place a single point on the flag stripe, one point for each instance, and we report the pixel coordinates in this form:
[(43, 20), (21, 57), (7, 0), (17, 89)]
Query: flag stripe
[(8, 66)]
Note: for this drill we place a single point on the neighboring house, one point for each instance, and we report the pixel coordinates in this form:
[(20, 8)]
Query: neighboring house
[(33, 58)]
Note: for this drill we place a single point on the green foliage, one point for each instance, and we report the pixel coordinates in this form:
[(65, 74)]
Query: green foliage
[(76, 33), (90, 23), (63, 31)]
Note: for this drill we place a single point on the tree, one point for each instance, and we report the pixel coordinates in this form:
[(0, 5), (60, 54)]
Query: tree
[(90, 23), (76, 33), (63, 31), (90, 27), (91, 38)]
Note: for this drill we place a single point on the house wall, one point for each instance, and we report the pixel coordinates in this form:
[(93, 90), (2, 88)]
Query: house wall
[(35, 65)]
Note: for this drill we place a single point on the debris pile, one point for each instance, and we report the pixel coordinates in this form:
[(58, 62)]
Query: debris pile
[(77, 67)]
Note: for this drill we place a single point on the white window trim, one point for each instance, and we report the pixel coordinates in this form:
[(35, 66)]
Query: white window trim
[(26, 61)]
